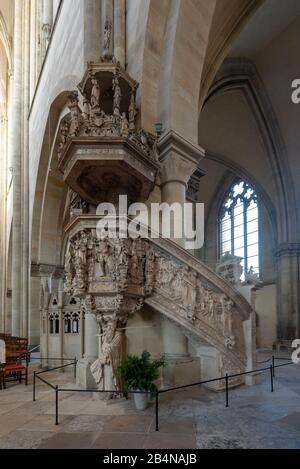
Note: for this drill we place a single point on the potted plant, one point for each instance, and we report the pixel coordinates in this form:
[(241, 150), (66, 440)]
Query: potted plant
[(138, 373)]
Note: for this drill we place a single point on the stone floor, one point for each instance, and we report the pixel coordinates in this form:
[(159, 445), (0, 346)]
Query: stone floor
[(197, 418)]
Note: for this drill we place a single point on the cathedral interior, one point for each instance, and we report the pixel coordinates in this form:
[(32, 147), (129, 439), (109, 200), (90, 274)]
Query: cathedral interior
[(180, 102)]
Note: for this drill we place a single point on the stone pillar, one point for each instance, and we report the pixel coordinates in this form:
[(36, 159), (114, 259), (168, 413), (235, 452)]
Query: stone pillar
[(47, 20), (179, 159), (288, 265), (91, 336), (175, 342), (16, 149), (181, 367), (120, 31), (25, 174), (92, 30), (3, 179), (84, 375)]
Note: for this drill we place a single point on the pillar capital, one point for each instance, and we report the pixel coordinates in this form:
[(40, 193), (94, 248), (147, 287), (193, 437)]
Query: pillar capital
[(179, 157), (287, 249)]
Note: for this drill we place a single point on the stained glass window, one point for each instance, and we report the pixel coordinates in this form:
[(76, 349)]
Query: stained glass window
[(239, 225)]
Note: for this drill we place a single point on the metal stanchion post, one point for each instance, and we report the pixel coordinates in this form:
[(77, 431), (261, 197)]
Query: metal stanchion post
[(271, 376), (34, 386), (226, 383), (56, 405), (156, 411), (75, 365), (273, 365)]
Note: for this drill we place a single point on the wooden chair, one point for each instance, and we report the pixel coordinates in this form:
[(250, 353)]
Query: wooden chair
[(23, 348), (13, 369)]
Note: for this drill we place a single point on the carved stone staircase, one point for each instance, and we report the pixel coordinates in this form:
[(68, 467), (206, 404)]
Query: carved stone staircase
[(117, 276)]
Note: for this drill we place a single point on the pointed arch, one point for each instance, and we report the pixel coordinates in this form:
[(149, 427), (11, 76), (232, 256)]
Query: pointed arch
[(241, 75)]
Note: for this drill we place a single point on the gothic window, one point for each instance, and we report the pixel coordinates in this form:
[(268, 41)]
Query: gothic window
[(67, 323), (75, 323), (238, 220), (54, 323), (71, 323), (51, 325)]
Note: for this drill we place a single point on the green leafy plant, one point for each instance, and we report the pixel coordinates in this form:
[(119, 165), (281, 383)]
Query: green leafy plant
[(140, 372)]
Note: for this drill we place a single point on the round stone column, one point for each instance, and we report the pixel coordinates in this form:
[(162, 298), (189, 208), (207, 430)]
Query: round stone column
[(90, 336), (84, 376), (179, 160), (119, 31), (16, 154)]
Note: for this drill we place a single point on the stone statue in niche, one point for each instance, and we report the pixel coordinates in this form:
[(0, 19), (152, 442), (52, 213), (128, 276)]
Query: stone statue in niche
[(68, 271), (103, 254), (124, 126), (117, 96), (90, 258), (80, 248), (132, 111), (150, 271), (103, 369), (95, 95), (86, 109), (75, 114), (64, 134), (136, 264)]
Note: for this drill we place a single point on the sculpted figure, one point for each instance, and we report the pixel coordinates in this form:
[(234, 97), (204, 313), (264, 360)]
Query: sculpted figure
[(90, 258), (117, 96), (80, 248), (103, 369), (132, 111), (95, 94), (102, 256), (107, 36), (86, 109), (124, 126), (64, 133), (227, 305), (68, 271), (189, 288)]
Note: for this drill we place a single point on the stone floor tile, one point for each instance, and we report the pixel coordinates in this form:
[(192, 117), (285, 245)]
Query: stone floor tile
[(44, 423), (84, 423), (69, 441), (11, 423), (181, 425), (160, 440), (128, 423), (119, 441), (20, 439)]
